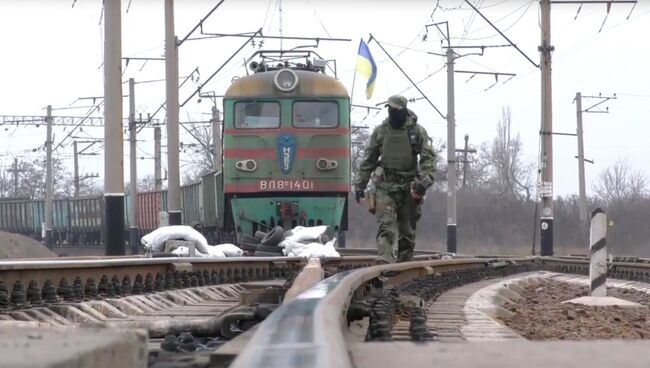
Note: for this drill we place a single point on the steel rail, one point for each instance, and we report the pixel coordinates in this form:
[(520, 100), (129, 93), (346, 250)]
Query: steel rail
[(308, 331), (373, 251), (636, 271), (232, 269), (127, 262)]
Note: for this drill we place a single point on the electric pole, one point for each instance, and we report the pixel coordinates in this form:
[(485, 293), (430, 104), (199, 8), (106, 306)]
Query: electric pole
[(584, 220), (16, 172), (156, 158), (465, 152), (465, 162), (452, 239), (77, 177), (581, 165), (171, 76), (113, 147), (216, 140), (76, 170), (546, 159), (451, 155), (133, 190), (48, 180)]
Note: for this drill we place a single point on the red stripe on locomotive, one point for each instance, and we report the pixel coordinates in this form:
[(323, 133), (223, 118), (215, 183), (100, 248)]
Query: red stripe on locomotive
[(270, 153), (317, 187), (294, 131)]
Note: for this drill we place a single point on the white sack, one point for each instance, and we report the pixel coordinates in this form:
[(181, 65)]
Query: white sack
[(156, 239), (181, 251), (213, 252), (303, 234), (311, 250), (230, 250), (184, 251), (291, 247)]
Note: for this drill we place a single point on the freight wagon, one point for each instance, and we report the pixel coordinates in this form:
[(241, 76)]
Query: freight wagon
[(80, 221)]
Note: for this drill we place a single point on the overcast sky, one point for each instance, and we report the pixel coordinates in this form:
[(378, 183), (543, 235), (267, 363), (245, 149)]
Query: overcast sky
[(52, 54)]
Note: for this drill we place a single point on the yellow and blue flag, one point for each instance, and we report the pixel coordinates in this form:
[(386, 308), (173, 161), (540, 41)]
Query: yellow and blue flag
[(366, 66)]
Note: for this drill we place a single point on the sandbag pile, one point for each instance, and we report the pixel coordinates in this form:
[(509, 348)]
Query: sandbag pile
[(155, 242), (214, 251), (306, 242)]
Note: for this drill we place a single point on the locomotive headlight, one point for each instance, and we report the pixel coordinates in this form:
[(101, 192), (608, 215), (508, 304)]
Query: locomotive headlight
[(246, 165), (286, 80), (321, 164), (324, 164)]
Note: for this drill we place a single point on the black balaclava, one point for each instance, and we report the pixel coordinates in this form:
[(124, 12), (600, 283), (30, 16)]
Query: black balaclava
[(397, 117)]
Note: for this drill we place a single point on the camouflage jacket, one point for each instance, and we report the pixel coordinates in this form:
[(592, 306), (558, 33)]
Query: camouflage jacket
[(398, 180)]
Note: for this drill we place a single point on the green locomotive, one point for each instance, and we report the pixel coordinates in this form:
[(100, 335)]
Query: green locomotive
[(286, 149)]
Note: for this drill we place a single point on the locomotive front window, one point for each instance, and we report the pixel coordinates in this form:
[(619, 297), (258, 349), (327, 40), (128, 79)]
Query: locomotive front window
[(256, 115), (315, 114)]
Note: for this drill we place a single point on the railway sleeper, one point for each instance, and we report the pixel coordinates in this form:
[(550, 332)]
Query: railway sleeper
[(386, 315), (111, 286), (213, 310), (387, 306)]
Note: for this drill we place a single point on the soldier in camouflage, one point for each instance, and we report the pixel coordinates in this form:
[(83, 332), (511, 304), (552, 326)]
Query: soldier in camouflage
[(403, 150)]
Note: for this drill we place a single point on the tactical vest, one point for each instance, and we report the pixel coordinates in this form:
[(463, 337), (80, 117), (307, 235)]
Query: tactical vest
[(398, 150)]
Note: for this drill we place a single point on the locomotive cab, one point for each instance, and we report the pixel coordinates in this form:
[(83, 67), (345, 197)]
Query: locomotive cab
[(286, 150)]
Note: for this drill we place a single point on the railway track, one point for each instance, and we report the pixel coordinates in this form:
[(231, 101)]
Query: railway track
[(326, 312), (193, 307)]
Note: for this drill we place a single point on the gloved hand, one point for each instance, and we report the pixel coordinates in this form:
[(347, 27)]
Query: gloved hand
[(418, 190), (358, 194)]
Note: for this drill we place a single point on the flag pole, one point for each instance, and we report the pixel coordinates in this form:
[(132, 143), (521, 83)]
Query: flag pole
[(354, 76)]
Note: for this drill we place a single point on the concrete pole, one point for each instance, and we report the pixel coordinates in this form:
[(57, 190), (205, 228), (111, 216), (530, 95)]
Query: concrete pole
[(156, 158), (216, 140), (171, 77), (133, 169), (581, 165), (49, 211), (546, 218), (113, 147), (465, 160), (76, 169), (451, 155), (598, 253)]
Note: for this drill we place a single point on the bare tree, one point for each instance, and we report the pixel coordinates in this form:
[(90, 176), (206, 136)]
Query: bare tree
[(5, 182), (359, 140), (199, 159), (89, 187), (510, 175), (31, 180), (440, 176), (619, 184), (479, 173), (147, 184)]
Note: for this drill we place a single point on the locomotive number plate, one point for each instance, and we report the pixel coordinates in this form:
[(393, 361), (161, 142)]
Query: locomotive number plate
[(285, 185)]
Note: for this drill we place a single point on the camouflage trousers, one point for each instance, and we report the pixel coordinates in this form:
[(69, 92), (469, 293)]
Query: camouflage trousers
[(397, 214)]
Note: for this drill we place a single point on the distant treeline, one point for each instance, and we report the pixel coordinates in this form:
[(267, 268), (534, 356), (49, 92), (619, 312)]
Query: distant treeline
[(496, 205), (490, 223)]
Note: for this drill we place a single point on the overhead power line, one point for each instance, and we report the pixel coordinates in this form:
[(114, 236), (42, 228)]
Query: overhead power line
[(502, 34), (406, 75), (35, 120)]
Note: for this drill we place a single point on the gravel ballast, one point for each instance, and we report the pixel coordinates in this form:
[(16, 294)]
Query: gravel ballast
[(541, 315)]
